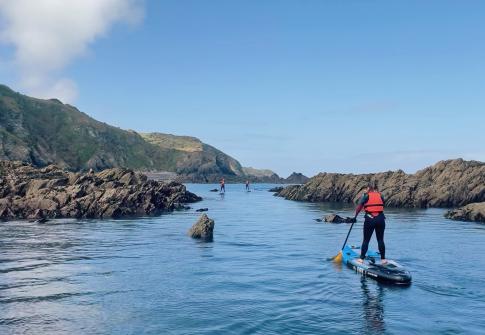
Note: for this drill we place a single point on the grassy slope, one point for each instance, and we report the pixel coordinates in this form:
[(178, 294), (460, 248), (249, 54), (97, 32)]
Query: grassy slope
[(47, 131)]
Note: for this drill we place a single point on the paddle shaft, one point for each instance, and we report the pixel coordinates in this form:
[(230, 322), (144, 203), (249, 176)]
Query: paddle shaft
[(348, 235)]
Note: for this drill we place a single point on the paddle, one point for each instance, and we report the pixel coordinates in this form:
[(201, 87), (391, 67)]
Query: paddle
[(338, 257)]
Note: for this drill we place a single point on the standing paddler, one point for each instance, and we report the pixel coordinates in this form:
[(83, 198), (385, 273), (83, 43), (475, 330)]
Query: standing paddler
[(223, 185), (373, 204)]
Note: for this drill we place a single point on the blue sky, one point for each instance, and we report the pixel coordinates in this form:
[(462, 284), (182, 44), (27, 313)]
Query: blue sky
[(309, 86)]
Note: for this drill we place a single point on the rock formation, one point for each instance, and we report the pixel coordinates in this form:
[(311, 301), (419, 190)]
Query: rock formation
[(470, 212), (202, 229), (448, 183), (296, 178), (27, 192), (334, 218)]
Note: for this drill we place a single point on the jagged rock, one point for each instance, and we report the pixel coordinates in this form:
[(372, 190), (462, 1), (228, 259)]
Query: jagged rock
[(32, 193), (334, 218), (297, 178), (471, 212), (448, 183), (276, 189), (202, 210), (202, 229)]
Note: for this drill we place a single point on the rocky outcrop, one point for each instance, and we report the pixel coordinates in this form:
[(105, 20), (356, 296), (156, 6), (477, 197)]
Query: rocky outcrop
[(202, 229), (276, 189), (448, 183), (262, 176), (27, 192), (471, 212), (335, 218), (296, 178)]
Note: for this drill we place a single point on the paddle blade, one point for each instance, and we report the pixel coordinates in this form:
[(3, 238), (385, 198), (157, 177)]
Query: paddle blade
[(338, 258)]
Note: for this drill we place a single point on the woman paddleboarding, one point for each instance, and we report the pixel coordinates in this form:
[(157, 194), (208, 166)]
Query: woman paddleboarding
[(372, 202)]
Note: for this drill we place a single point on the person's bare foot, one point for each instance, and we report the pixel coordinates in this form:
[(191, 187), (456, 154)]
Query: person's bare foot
[(383, 261), (360, 260)]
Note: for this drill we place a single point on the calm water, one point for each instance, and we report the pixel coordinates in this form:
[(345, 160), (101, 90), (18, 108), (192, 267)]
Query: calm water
[(265, 273)]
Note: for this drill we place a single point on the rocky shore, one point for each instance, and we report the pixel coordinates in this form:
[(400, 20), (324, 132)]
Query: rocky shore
[(450, 183), (471, 212), (27, 192)]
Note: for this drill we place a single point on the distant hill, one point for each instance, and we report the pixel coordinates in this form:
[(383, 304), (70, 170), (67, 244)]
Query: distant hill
[(263, 175), (197, 161), (42, 132), (268, 176), (297, 178)]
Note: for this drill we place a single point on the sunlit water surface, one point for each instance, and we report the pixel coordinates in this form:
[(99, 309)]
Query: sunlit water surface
[(264, 273)]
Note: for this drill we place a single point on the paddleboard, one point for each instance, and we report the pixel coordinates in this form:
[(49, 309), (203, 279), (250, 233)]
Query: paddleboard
[(391, 272)]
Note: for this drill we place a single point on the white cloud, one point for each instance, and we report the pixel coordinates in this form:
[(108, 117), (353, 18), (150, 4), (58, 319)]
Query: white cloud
[(49, 34)]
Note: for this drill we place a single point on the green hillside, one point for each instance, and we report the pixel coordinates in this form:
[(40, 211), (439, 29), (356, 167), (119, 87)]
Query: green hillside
[(42, 132)]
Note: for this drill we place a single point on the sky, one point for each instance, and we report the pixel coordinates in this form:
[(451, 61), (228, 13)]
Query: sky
[(308, 86)]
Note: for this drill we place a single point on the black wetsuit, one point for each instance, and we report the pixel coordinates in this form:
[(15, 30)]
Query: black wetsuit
[(371, 223)]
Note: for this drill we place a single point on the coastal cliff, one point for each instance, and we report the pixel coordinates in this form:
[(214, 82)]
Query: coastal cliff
[(42, 132), (27, 192), (449, 183)]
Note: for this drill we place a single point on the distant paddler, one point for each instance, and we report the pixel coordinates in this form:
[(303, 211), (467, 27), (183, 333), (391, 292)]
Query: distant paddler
[(223, 185), (372, 202), (247, 185)]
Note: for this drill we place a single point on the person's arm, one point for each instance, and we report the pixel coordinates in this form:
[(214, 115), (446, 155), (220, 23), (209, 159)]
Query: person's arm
[(361, 203)]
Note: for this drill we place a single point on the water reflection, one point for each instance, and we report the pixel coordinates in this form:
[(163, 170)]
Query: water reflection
[(373, 308)]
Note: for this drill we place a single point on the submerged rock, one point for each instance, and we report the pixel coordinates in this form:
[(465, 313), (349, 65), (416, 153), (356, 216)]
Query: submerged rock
[(202, 229), (471, 212), (33, 193), (214, 190), (334, 218), (202, 210), (448, 183)]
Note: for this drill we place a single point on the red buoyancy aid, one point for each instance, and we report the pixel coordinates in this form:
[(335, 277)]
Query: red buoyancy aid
[(374, 204)]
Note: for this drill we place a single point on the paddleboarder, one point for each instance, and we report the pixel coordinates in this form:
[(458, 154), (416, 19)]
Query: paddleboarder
[(372, 202), (223, 185), (247, 185)]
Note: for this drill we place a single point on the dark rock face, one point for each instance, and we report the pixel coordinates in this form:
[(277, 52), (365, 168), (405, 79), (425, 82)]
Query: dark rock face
[(276, 189), (31, 193), (448, 183), (296, 178), (334, 218), (202, 229), (471, 212)]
